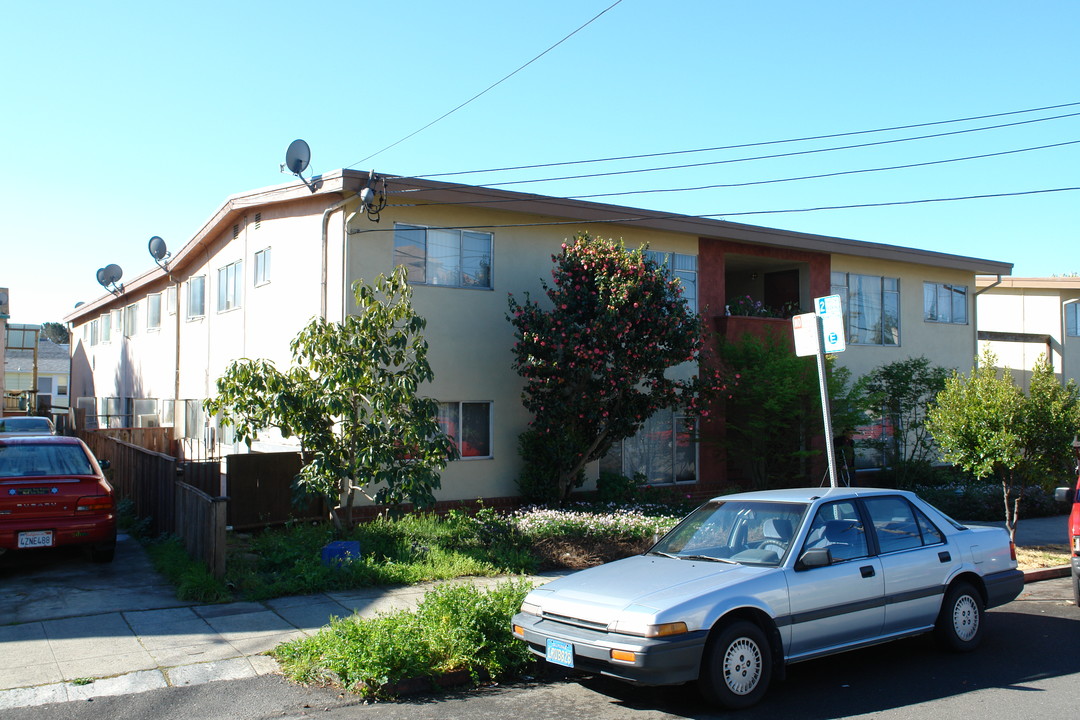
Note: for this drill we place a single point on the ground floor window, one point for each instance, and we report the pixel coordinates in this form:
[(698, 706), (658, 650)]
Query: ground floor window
[(469, 425), (661, 453)]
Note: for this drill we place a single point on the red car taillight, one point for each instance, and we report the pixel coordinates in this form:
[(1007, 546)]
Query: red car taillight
[(94, 504), (1012, 551)]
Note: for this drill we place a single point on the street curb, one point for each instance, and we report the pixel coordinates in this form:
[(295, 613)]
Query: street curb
[(1047, 573)]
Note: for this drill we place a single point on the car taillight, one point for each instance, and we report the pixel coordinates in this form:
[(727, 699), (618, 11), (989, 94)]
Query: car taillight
[(1012, 550), (94, 504), (1076, 544)]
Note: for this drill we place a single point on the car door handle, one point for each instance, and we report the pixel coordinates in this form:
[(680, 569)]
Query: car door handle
[(867, 571), (944, 556)]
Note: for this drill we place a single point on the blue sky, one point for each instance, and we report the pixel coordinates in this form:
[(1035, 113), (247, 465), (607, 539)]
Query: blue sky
[(125, 120)]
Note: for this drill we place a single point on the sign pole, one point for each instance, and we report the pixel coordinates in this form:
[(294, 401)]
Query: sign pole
[(826, 413)]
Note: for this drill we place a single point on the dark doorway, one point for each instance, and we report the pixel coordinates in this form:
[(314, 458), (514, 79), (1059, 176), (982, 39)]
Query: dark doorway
[(781, 290)]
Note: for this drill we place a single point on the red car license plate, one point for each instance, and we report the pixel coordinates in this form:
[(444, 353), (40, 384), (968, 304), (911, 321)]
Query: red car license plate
[(36, 539)]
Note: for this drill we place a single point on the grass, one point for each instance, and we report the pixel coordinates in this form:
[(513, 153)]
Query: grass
[(1037, 557)]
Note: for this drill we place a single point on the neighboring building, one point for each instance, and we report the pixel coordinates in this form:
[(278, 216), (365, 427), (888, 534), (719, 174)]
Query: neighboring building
[(1023, 319), (49, 378), (270, 260)]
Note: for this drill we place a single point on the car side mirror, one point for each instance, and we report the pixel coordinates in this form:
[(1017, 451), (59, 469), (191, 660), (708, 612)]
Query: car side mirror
[(1063, 495), (818, 557)]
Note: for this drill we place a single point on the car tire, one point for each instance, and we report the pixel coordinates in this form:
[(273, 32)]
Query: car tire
[(959, 626), (737, 666), (103, 553)]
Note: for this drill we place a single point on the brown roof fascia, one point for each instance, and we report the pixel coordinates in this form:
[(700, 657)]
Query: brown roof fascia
[(423, 192), (1030, 283)]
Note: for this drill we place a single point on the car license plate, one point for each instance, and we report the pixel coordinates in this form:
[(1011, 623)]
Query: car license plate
[(560, 653), (36, 539)]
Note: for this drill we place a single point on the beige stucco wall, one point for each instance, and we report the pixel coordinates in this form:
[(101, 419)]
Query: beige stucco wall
[(470, 339), (944, 344)]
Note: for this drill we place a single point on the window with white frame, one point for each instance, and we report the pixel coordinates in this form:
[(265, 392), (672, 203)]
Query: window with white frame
[(131, 320), (438, 256), (262, 267), (170, 300), (95, 332), (871, 306), (196, 297), (1072, 319), (153, 311), (106, 327), (230, 286), (944, 303), (469, 425), (662, 452), (684, 268)]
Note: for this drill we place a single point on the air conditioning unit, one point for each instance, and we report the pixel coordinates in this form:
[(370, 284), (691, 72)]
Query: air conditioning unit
[(147, 421)]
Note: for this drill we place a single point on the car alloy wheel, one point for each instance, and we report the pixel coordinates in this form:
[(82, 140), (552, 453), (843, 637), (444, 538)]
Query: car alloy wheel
[(959, 625), (737, 666)]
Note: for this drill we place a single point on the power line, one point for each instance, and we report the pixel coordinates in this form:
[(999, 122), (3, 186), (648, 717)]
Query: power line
[(755, 182), (490, 87), (753, 144)]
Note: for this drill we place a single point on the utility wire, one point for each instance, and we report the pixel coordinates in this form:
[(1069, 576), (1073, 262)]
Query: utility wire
[(487, 89), (753, 144), (754, 182)]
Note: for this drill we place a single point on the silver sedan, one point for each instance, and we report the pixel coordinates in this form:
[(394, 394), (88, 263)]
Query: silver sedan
[(750, 583)]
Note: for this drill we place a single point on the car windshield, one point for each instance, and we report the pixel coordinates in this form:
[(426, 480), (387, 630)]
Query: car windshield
[(29, 460), (746, 532), (25, 425)]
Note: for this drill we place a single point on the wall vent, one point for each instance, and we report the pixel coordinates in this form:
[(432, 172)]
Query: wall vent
[(258, 220), (236, 231)]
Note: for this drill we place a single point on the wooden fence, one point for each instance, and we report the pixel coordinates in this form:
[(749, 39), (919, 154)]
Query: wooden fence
[(179, 498), (261, 494)]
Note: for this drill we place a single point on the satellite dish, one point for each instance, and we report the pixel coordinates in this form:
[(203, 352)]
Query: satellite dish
[(297, 157), (157, 248), (101, 277), (113, 273)]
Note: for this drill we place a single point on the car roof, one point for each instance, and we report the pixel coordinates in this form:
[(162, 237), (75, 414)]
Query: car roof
[(22, 439), (806, 495)]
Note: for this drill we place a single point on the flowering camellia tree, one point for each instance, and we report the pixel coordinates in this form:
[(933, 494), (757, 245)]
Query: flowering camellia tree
[(595, 359)]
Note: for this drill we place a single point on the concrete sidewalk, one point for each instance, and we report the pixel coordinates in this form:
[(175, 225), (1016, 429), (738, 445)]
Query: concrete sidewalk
[(59, 649), (117, 653)]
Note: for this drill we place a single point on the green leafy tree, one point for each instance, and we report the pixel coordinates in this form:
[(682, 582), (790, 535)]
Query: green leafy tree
[(773, 419), (351, 400), (903, 391), (595, 359), (56, 332), (985, 424)]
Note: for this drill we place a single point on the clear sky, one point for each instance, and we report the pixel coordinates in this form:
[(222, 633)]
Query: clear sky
[(123, 120)]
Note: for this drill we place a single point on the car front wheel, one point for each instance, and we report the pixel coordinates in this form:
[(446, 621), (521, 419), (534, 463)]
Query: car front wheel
[(737, 666), (960, 623)]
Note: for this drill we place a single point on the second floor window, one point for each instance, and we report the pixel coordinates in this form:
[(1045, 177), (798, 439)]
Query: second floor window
[(437, 256), (262, 267), (230, 286), (106, 327), (944, 303), (153, 311), (131, 320), (196, 305), (1072, 319), (871, 307), (683, 267)]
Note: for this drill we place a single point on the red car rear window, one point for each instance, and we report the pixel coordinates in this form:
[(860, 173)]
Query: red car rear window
[(29, 460)]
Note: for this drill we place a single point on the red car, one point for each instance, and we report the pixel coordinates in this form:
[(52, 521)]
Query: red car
[(1073, 496), (53, 493)]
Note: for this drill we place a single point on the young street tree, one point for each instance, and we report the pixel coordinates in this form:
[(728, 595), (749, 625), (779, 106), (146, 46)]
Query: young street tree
[(595, 360), (987, 425), (351, 400)]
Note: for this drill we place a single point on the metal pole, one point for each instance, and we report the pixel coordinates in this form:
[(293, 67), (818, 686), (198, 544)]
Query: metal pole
[(826, 413)]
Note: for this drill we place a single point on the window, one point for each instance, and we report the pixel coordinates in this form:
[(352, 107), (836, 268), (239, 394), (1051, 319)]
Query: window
[(435, 256), (662, 452), (262, 267), (871, 306), (131, 320), (153, 311), (945, 303), (230, 286), (1072, 319), (61, 386), (469, 425), (838, 528), (683, 267), (899, 526), (170, 300), (196, 300), (167, 409), (106, 328)]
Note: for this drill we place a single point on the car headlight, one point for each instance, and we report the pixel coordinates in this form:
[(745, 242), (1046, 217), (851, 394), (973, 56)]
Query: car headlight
[(665, 629), (531, 609)]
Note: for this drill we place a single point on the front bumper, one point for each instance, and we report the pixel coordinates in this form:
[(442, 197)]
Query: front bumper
[(657, 661)]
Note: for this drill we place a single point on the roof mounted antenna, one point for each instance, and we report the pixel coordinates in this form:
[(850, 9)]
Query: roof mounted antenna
[(109, 275), (297, 158), (159, 252)]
